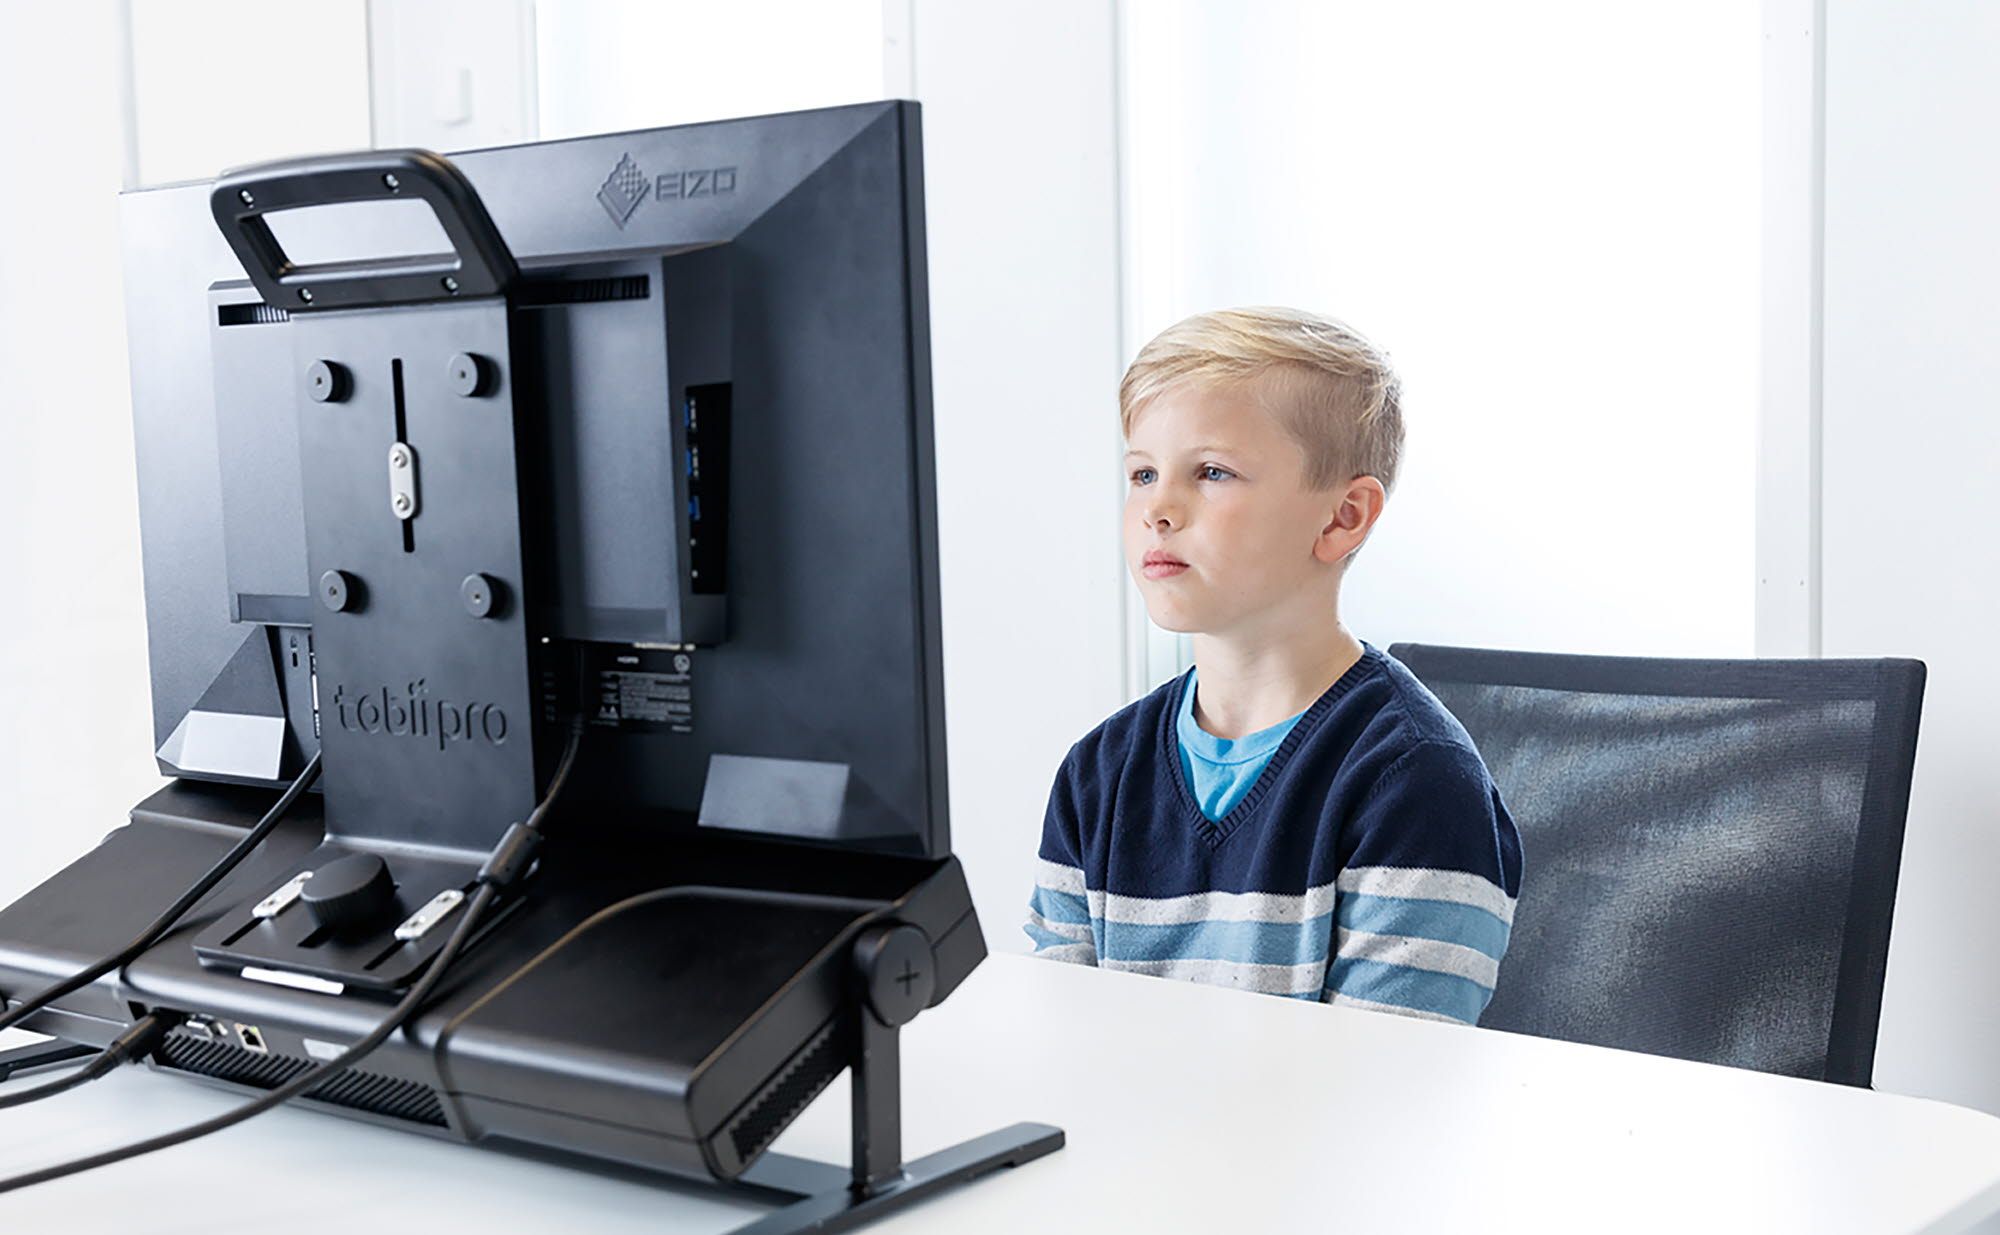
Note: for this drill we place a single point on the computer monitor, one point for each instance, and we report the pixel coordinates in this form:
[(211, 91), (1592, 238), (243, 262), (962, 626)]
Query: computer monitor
[(640, 473), (717, 357)]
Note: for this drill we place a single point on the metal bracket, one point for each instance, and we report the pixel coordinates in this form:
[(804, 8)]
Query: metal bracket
[(436, 910), (402, 481), (282, 899)]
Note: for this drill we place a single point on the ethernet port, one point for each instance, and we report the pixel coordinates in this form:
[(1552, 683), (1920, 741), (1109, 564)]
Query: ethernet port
[(253, 1039)]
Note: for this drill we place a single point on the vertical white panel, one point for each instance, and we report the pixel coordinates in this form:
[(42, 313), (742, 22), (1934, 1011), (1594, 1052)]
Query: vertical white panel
[(1788, 452), (1020, 170), (1912, 447), (452, 74)]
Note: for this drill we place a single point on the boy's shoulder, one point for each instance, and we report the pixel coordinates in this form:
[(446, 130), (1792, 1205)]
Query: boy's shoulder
[(1409, 716)]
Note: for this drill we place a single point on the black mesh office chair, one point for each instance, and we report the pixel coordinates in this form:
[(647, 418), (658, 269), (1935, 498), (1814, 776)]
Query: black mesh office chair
[(1709, 847)]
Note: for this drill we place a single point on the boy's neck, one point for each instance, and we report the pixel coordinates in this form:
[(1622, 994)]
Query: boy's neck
[(1252, 681)]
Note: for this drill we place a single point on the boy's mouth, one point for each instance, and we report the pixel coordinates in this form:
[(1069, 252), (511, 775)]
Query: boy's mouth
[(1158, 565)]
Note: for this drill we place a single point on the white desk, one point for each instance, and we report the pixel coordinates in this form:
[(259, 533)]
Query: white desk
[(1188, 1109)]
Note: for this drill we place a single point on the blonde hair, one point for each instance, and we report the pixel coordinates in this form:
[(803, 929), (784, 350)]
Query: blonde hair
[(1331, 389)]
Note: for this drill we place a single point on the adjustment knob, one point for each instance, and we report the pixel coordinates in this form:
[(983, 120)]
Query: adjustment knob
[(350, 893), (898, 971)]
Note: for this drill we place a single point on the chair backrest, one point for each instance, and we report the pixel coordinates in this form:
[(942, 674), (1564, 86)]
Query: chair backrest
[(1709, 847)]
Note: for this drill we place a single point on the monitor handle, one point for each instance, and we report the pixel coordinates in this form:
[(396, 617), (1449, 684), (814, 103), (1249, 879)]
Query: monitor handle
[(480, 265)]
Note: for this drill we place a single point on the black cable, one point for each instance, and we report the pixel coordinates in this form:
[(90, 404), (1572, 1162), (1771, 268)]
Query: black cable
[(172, 914), (405, 1008), (561, 776), (137, 1042)]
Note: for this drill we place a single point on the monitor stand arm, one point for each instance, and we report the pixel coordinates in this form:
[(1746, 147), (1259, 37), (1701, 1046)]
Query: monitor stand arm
[(893, 982)]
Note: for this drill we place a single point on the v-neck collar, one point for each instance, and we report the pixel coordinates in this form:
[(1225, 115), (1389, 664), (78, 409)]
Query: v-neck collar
[(1200, 744), (1215, 831)]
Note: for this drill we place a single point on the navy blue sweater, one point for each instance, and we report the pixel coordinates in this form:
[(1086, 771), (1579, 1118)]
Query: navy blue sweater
[(1372, 863)]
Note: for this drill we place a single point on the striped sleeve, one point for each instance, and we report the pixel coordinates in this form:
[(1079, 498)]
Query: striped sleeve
[(1425, 904), (1058, 909)]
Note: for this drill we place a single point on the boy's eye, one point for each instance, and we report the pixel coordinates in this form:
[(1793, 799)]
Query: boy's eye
[(1142, 476), (1212, 472)]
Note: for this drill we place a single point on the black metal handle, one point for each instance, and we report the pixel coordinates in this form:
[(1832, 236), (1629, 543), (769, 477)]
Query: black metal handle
[(480, 265)]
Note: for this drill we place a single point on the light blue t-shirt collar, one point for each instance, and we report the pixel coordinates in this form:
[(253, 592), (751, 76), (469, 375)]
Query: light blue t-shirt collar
[(1204, 745)]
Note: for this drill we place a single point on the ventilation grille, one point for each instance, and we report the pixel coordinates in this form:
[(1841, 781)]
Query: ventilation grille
[(528, 294), (810, 1071), (252, 314), (360, 1091), (537, 293)]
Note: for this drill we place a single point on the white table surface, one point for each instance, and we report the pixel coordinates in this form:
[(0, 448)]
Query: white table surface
[(1188, 1108)]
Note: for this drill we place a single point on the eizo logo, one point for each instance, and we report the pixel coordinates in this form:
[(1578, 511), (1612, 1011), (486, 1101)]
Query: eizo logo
[(627, 186), (623, 190)]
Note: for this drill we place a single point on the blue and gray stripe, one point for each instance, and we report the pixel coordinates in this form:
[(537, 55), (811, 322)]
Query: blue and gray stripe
[(1423, 943)]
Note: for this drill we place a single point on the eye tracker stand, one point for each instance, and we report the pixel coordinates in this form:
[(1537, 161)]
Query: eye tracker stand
[(660, 995)]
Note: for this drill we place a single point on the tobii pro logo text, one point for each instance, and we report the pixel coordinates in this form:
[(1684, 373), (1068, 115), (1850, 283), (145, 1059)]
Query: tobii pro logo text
[(412, 713)]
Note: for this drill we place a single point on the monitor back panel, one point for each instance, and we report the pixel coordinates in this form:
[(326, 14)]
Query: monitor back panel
[(784, 259)]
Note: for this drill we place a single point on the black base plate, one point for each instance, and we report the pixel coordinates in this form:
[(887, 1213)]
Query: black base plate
[(828, 1202)]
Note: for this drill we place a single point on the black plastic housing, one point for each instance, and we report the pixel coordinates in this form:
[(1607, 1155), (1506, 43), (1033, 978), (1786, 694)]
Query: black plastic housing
[(764, 278), (666, 1003)]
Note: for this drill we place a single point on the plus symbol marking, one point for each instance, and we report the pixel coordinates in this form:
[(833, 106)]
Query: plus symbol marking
[(908, 976)]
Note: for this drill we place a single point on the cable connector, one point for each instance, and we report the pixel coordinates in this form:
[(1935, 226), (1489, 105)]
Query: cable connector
[(511, 858), (145, 1035), (141, 1040)]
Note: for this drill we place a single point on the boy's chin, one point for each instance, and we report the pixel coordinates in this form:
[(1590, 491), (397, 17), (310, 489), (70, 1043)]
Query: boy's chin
[(1175, 623)]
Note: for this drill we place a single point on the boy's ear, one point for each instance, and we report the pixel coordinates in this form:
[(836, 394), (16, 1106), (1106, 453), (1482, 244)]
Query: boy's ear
[(1360, 504)]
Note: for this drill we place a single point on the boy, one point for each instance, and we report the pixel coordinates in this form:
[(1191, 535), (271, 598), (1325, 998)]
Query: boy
[(1296, 814)]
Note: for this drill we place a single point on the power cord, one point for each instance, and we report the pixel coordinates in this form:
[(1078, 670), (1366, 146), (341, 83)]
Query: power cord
[(508, 862), (172, 914), (141, 1040)]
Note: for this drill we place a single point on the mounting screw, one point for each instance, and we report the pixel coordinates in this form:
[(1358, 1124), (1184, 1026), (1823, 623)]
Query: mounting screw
[(480, 595), (469, 375), (244, 196), (450, 285), (399, 456), (336, 590), (306, 294), (402, 503), (390, 182), (327, 382)]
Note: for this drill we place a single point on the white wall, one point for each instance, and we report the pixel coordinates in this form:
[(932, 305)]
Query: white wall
[(1910, 508), (1547, 212), (217, 83), (451, 75), (76, 725), (610, 65), (1020, 173), (76, 728)]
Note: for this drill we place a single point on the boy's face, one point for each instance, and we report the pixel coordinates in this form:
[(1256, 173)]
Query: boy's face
[(1216, 484)]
